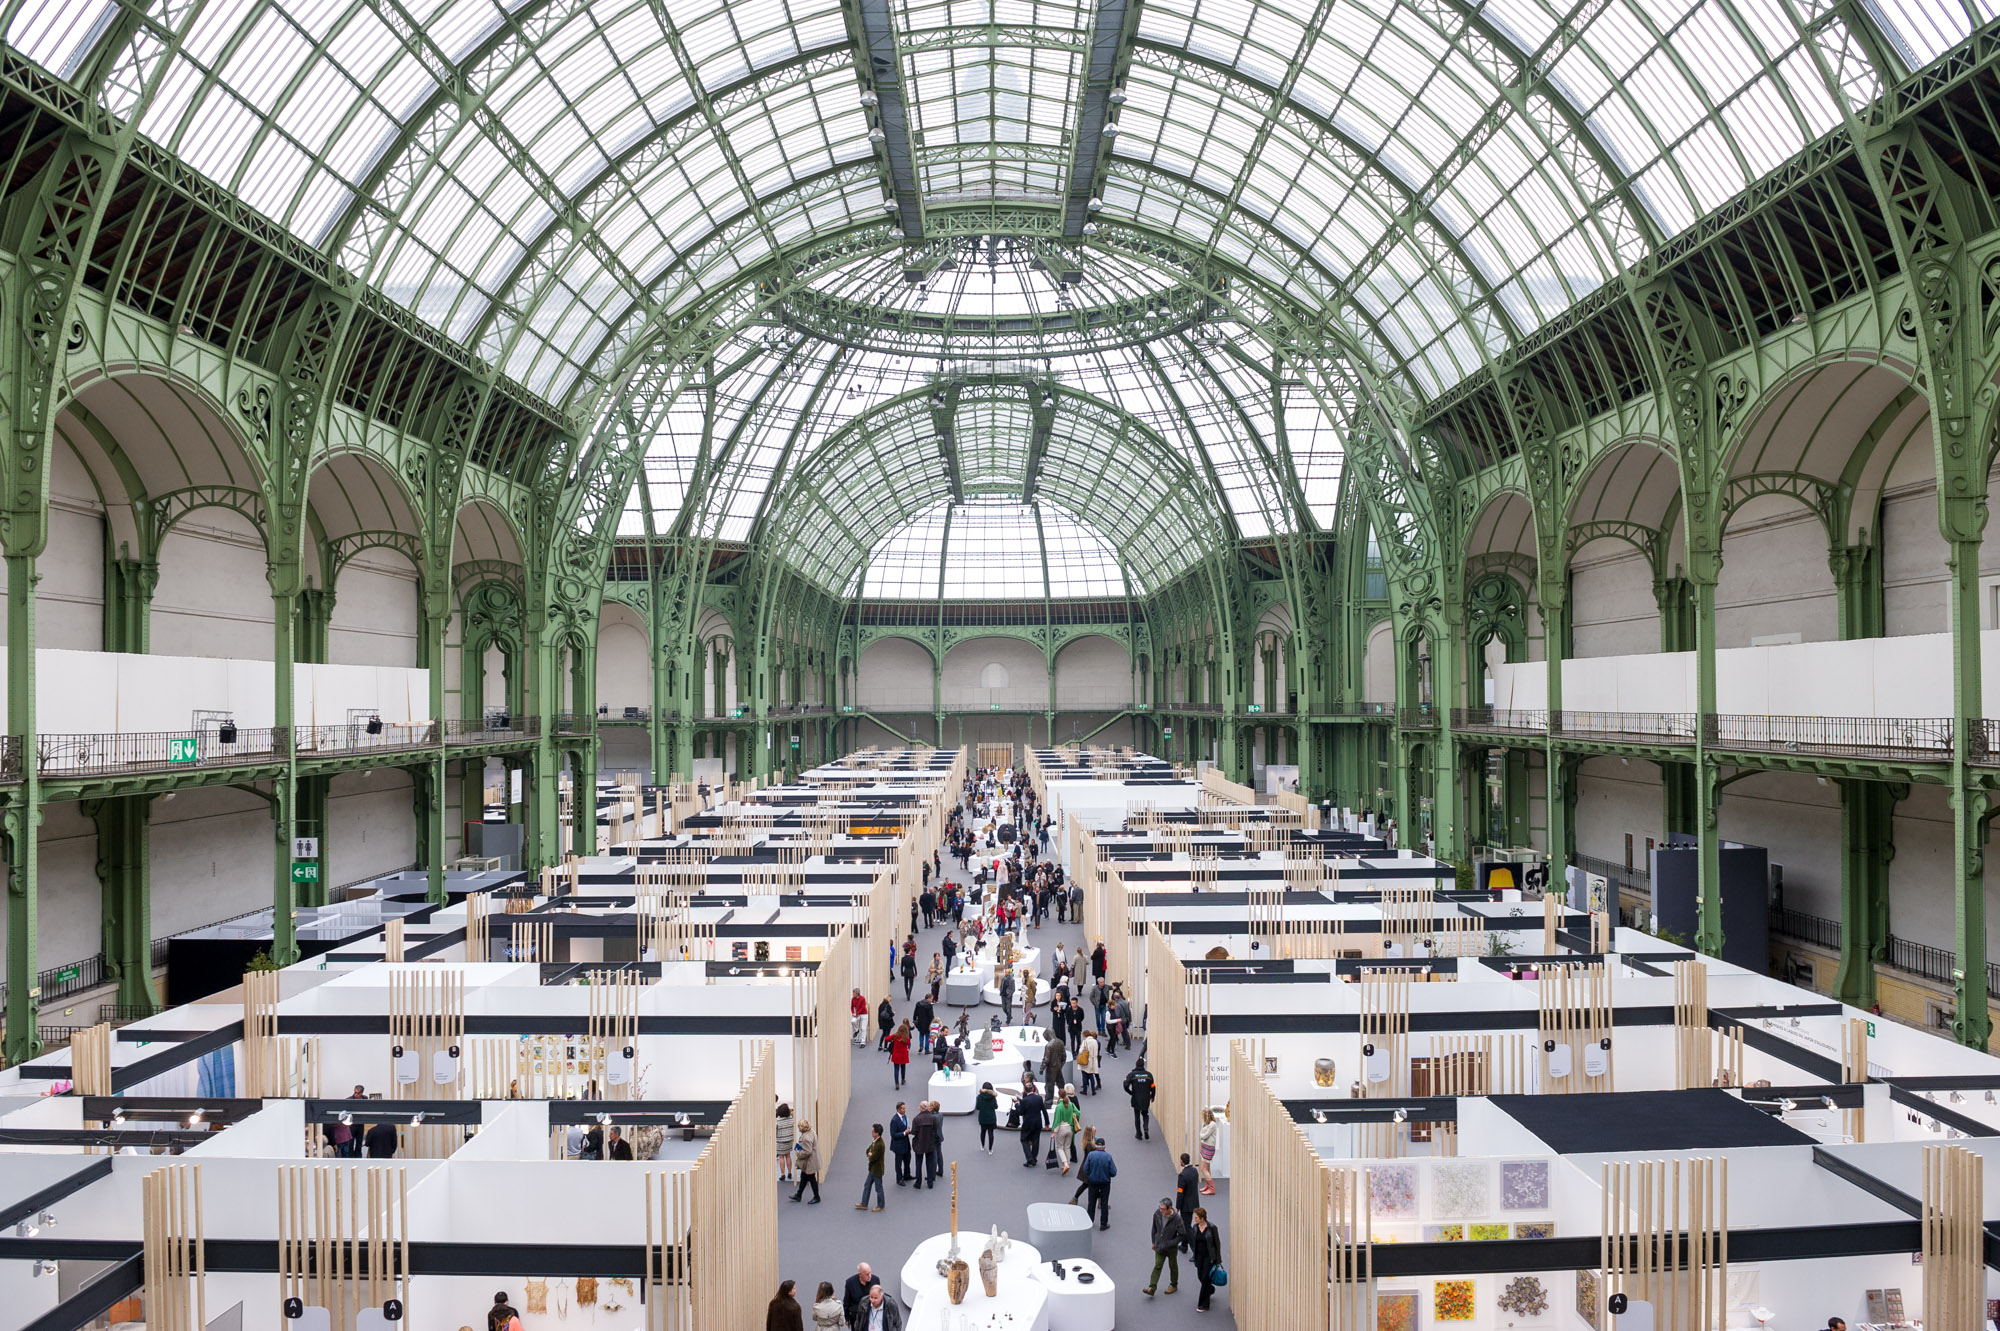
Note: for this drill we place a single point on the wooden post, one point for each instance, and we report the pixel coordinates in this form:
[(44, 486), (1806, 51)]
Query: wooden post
[(1954, 1263), (176, 1256)]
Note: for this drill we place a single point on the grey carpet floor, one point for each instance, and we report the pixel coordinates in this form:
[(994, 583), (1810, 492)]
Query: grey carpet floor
[(827, 1241)]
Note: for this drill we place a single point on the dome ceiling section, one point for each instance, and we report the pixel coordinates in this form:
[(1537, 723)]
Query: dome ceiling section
[(994, 443)]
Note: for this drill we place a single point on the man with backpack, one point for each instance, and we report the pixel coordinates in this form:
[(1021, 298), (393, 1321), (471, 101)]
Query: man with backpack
[(1139, 1085)]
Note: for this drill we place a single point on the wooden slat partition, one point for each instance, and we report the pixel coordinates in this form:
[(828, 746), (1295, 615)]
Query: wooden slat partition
[(344, 1239), (90, 1059), (477, 947), (1664, 1238), (1302, 1255), (1385, 1023), (1575, 1014), (427, 1017), (1179, 1014), (176, 1257), (1406, 918), (1853, 1069), (1694, 1052), (1954, 1246), (614, 1026), (531, 940)]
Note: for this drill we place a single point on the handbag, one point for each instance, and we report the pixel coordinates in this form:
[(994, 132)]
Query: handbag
[(1218, 1275)]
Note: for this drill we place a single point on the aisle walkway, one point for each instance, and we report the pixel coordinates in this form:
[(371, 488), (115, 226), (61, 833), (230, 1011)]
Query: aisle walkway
[(825, 1242)]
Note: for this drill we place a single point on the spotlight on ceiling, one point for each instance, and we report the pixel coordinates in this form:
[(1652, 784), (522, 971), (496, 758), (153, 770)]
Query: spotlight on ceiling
[(877, 136), (1401, 1116), (1319, 1116), (869, 99)]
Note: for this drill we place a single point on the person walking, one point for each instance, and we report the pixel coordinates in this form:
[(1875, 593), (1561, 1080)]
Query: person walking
[(899, 1053), (1098, 1171), (784, 1314), (827, 1314), (1187, 1188), (872, 1180), (502, 1314), (858, 1007), (885, 1017), (1007, 995), (1054, 1056), (1087, 1055), (787, 1133), (986, 1107), (806, 1148), (927, 1139), (1205, 1252), (899, 1142), (1034, 1116), (1140, 1087), (1063, 1133), (1167, 1238), (909, 972), (1206, 1137), (949, 947), (1121, 1008), (921, 1017)]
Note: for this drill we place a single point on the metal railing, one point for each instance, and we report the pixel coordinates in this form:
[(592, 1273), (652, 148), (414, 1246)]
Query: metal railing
[(571, 723), (1650, 727), (1214, 708), (1423, 717), (1982, 741), (1814, 929), (1508, 720), (1926, 738), (328, 741), (124, 754), (492, 729)]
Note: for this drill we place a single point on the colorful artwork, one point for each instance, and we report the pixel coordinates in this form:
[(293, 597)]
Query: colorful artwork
[(1586, 1296), (1534, 1229), (1487, 1233), (1524, 1296), (1460, 1189), (1392, 1189), (1444, 1233), (1452, 1301), (1396, 1311), (1524, 1185)]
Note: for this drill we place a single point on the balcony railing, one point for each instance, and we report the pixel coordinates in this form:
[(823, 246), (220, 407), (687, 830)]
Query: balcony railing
[(332, 741), (1500, 720), (1814, 929), (492, 729), (1424, 717), (1925, 738), (1648, 727), (122, 754)]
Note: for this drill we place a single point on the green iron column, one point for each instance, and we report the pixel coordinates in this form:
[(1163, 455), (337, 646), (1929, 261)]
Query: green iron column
[(309, 819), (128, 604), (1859, 603), (1867, 844), (1553, 596), (1707, 773), (124, 872), (284, 789), (431, 785), (1969, 802), (315, 624), (22, 817)]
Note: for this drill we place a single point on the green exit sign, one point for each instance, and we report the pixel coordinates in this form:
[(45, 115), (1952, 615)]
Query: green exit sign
[(1255, 707), (182, 749), (1166, 732), (305, 871), (1871, 1030), (69, 974), (994, 706), (739, 711)]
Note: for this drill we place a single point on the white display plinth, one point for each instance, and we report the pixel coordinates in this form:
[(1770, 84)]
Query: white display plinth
[(920, 1278), (1073, 1305), (955, 1092)]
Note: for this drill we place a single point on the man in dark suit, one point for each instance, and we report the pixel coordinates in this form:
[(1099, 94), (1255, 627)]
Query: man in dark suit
[(1187, 1196), (1034, 1117), (858, 1285)]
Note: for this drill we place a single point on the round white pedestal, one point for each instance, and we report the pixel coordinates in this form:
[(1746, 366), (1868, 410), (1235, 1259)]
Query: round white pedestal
[(920, 1275), (1074, 1305)]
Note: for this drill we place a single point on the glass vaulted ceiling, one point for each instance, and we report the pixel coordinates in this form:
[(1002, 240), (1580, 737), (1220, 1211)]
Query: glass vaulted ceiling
[(548, 181)]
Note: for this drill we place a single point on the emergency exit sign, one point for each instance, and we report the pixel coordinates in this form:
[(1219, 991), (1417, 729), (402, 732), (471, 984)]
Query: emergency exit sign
[(182, 749), (305, 871)]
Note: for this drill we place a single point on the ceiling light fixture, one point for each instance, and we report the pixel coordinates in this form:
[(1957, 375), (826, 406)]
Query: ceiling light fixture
[(869, 99)]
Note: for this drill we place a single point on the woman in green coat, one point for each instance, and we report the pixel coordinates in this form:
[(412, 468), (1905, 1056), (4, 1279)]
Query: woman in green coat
[(987, 1107), (1065, 1122)]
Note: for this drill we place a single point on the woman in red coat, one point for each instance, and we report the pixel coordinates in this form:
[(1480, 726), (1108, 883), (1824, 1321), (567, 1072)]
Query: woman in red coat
[(899, 1052)]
